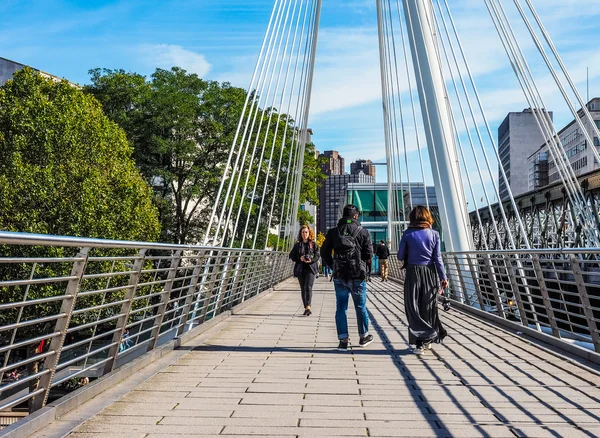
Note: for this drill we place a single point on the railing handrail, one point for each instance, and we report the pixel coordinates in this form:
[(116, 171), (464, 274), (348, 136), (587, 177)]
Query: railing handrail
[(557, 294), (117, 306), (530, 251), (19, 238)]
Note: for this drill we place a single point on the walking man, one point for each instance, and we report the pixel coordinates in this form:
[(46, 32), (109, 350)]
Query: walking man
[(383, 253), (352, 249)]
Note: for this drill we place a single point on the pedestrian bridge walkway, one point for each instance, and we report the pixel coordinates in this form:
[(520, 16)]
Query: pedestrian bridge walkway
[(268, 371)]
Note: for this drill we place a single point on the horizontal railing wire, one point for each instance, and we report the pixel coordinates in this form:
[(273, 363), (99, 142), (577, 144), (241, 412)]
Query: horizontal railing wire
[(555, 291), (73, 309)]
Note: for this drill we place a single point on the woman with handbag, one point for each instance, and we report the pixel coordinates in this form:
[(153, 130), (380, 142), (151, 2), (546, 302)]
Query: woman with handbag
[(420, 251), (306, 255)]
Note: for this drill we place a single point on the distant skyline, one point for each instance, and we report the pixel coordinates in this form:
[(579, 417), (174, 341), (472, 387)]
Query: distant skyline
[(220, 40)]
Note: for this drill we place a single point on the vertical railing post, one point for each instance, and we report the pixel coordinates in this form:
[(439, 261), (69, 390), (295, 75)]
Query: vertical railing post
[(585, 302), (250, 279), (62, 324), (476, 278), (234, 278), (164, 299), (462, 281), (260, 271), (244, 270), (515, 287), (187, 306), (224, 286), (281, 262), (490, 271), (236, 282), (545, 296), (212, 280), (134, 278)]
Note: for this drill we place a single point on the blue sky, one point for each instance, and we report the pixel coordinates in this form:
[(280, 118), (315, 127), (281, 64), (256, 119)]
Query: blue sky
[(220, 40)]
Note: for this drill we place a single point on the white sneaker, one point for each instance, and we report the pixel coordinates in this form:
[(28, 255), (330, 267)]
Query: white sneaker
[(419, 351)]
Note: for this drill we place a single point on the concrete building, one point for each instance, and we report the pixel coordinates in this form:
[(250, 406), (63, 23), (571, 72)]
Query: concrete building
[(541, 166), (8, 69), (335, 165), (332, 194), (364, 166), (518, 137)]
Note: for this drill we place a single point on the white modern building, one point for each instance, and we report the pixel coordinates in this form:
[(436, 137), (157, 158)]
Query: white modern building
[(541, 166), (8, 69)]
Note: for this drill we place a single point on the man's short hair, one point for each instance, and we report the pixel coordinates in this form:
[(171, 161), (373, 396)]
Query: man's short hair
[(381, 241), (350, 210)]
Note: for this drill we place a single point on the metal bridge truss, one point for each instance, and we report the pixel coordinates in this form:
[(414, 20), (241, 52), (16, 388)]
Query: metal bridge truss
[(548, 215)]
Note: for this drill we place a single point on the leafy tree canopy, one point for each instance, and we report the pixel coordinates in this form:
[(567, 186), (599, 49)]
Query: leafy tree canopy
[(65, 168), (182, 128)]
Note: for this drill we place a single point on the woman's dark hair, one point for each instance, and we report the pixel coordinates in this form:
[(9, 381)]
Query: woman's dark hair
[(420, 216), (350, 210), (311, 233)]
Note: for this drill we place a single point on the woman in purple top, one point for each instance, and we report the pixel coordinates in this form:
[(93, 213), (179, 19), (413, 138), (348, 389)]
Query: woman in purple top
[(420, 251)]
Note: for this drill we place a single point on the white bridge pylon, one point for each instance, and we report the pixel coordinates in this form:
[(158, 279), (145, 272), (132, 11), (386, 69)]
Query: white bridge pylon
[(464, 166)]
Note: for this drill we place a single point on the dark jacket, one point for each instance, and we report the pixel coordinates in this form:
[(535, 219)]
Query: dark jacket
[(363, 240), (382, 251), (310, 249)]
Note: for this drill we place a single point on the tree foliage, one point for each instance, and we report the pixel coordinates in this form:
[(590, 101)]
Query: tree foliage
[(320, 239), (182, 128), (65, 168)]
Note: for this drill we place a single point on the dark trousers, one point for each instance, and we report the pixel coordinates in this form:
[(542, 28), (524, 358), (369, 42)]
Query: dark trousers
[(307, 279)]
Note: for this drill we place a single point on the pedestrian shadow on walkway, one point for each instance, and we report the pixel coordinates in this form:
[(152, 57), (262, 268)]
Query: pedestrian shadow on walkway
[(393, 306)]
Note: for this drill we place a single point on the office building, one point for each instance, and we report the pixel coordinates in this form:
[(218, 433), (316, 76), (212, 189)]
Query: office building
[(542, 167), (8, 69), (334, 165), (518, 137), (332, 194), (365, 166), (372, 202)]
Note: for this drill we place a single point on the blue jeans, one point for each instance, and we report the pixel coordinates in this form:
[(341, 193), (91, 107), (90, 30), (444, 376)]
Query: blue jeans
[(358, 290)]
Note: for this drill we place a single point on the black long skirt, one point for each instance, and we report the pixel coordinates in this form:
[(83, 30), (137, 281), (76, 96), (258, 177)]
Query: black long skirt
[(421, 288)]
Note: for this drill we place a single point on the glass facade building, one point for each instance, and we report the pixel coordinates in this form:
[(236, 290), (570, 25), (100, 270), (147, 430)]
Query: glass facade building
[(372, 202)]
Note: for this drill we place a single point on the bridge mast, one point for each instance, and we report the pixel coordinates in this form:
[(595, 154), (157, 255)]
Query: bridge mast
[(437, 123)]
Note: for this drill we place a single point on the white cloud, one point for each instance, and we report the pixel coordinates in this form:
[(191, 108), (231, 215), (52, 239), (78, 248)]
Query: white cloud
[(167, 56), (347, 69)]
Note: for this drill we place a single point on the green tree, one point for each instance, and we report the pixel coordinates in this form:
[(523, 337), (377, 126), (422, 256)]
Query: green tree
[(65, 169), (320, 239), (311, 179), (181, 127)]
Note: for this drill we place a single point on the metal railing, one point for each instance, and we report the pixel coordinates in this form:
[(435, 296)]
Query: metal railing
[(552, 291), (72, 309)]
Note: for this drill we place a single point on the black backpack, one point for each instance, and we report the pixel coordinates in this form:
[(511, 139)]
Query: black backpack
[(346, 259)]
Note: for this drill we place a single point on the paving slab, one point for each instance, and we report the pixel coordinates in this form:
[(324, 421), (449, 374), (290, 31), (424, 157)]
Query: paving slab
[(271, 372)]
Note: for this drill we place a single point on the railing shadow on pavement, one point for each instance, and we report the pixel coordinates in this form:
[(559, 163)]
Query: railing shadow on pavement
[(377, 302)]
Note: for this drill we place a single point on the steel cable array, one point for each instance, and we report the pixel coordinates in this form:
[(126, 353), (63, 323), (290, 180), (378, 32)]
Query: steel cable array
[(282, 81)]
